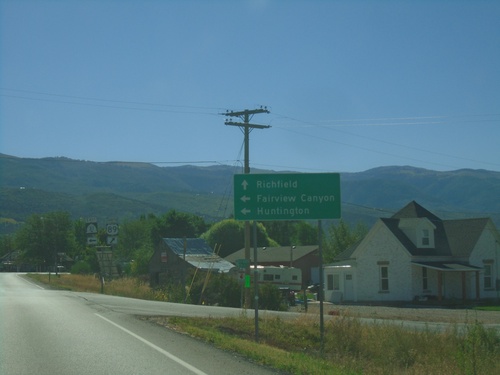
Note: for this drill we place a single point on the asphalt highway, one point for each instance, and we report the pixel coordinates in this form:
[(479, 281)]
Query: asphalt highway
[(60, 332)]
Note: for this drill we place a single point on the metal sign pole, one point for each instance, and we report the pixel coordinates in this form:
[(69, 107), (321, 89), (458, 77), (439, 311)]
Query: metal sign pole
[(321, 282), (256, 281)]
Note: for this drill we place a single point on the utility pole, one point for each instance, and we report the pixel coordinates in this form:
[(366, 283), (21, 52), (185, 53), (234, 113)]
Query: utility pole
[(246, 115)]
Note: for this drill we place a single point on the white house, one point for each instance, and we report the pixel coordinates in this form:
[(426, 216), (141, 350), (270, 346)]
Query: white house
[(414, 255)]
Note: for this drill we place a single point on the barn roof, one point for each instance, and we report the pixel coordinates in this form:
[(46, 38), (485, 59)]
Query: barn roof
[(198, 253)]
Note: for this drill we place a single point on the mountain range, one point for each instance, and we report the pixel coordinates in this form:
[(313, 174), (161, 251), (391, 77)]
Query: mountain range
[(124, 190)]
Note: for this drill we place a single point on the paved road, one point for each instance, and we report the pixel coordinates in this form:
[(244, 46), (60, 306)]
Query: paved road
[(58, 332)]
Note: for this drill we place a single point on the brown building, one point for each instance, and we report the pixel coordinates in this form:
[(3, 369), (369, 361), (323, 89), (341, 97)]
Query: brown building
[(304, 257), (173, 257)]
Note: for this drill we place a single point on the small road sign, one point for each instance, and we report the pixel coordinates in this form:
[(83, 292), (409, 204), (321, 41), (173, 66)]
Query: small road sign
[(91, 228), (92, 241), (112, 229), (299, 196), (242, 263), (112, 240)]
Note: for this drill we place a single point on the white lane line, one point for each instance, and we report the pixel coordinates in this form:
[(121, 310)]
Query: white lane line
[(158, 349)]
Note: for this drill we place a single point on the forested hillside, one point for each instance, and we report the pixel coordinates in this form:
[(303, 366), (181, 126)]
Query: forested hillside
[(127, 190)]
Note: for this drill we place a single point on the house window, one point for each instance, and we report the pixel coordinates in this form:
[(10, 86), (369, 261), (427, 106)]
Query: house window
[(425, 237), (333, 282), (424, 279), (488, 284), (384, 278), (329, 282), (336, 282), (277, 277), (268, 277), (295, 277)]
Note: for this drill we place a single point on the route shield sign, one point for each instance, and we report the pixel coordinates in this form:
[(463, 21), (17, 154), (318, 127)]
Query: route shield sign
[(300, 196)]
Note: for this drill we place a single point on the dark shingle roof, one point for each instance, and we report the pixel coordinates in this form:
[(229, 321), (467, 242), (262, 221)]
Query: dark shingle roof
[(441, 243), (464, 234), (414, 210), (346, 254), (451, 237)]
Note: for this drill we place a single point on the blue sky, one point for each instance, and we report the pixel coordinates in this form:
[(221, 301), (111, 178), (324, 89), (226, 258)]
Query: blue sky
[(351, 85)]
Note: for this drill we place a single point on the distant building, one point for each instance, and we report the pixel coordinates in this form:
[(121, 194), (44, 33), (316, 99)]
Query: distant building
[(175, 256), (14, 262), (304, 257), (415, 255)]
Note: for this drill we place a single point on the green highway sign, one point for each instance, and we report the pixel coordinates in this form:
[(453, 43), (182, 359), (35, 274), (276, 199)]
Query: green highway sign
[(289, 196)]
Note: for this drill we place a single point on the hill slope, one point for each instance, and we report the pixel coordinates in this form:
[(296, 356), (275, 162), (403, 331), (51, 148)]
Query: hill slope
[(127, 190)]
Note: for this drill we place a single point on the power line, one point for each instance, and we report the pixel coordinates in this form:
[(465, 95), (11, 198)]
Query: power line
[(398, 121), (108, 100), (316, 125), (126, 105)]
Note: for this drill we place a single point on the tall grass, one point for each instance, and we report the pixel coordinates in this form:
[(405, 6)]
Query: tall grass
[(352, 347), (124, 287)]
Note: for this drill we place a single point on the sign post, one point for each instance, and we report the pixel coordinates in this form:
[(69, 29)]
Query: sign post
[(289, 196), (91, 231)]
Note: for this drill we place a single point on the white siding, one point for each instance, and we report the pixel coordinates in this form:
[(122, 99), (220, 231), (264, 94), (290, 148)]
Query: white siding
[(382, 246), (487, 248)]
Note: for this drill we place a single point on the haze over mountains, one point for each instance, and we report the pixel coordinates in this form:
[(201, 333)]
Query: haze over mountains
[(127, 190)]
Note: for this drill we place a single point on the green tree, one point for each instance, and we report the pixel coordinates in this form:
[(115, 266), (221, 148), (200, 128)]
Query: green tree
[(283, 232), (42, 237), (176, 224), (139, 265), (226, 235), (79, 228), (305, 234), (341, 237), (7, 244), (229, 236), (135, 235)]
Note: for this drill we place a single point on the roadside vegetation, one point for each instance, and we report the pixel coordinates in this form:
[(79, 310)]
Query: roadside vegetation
[(350, 347), (294, 346), (213, 289)]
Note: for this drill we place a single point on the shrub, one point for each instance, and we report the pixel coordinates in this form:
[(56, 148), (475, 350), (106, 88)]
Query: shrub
[(81, 268), (270, 298)]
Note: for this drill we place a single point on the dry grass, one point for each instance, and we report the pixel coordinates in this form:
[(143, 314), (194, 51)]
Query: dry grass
[(123, 287), (350, 347)]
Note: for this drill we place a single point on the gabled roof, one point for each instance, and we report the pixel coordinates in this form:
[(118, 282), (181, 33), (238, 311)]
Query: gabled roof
[(274, 254), (452, 238), (198, 253), (347, 253), (441, 243), (463, 234), (414, 210), (10, 257)]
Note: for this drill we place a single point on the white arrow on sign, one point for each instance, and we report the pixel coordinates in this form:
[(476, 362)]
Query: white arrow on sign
[(245, 211), (244, 184), (245, 198), (111, 240), (92, 241)]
